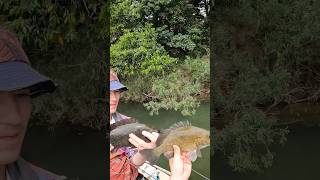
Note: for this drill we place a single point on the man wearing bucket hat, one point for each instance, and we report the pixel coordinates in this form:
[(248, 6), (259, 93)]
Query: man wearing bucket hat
[(124, 168), (126, 160), (19, 83), (116, 88)]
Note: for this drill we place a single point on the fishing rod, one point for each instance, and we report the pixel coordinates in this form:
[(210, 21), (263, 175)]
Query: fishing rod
[(150, 175), (157, 178), (200, 174), (203, 176)]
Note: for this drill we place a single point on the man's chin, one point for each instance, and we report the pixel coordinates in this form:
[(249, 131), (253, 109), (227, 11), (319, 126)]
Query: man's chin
[(112, 111), (8, 157), (10, 150)]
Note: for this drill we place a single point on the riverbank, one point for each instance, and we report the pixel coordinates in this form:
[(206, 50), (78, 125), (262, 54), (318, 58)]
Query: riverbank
[(300, 112), (287, 114)]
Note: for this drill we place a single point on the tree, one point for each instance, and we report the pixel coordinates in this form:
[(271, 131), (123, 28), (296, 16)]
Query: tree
[(179, 24), (64, 40), (152, 44), (264, 55)]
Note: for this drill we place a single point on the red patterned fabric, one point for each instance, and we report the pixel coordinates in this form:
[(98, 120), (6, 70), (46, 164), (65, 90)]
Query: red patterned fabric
[(121, 168)]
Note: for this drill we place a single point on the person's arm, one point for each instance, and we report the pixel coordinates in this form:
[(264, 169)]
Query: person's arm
[(180, 165), (138, 159)]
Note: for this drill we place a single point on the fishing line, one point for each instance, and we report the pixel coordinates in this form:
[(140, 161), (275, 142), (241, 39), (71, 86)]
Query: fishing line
[(200, 174), (203, 176)]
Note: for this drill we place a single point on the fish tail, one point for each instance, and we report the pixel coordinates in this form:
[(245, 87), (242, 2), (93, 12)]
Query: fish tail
[(151, 155)]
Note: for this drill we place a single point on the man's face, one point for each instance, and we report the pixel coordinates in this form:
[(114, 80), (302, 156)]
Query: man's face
[(114, 100), (15, 109)]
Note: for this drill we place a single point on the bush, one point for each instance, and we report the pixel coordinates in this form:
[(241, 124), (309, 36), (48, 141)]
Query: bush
[(264, 52), (139, 53), (64, 40)]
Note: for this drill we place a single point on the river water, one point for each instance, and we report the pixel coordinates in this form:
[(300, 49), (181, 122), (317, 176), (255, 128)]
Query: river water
[(77, 153), (80, 153), (298, 159)]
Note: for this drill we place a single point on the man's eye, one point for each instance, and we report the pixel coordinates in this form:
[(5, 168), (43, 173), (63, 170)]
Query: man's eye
[(22, 94)]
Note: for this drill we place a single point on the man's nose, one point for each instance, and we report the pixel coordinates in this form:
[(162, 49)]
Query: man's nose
[(112, 95), (9, 113)]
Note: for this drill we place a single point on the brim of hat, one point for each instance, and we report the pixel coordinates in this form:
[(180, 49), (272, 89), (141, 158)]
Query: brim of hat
[(116, 85), (19, 75)]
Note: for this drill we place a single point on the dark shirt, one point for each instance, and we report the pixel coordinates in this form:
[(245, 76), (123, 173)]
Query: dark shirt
[(22, 170)]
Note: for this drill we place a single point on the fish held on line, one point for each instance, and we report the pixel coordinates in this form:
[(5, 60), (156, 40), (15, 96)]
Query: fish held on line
[(190, 139)]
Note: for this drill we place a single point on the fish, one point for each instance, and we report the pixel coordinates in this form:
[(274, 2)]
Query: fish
[(190, 139), (119, 134)]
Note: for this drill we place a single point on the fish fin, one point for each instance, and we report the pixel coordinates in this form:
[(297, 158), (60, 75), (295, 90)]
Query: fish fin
[(180, 124), (122, 122), (199, 153), (165, 132), (150, 155), (192, 155), (168, 154)]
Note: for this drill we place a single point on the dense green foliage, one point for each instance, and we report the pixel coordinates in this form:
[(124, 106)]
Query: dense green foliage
[(156, 48), (64, 40), (265, 54), (178, 89), (139, 53)]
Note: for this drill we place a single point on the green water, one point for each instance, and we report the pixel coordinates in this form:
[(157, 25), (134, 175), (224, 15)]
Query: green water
[(298, 159), (164, 120), (80, 153), (77, 153)]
